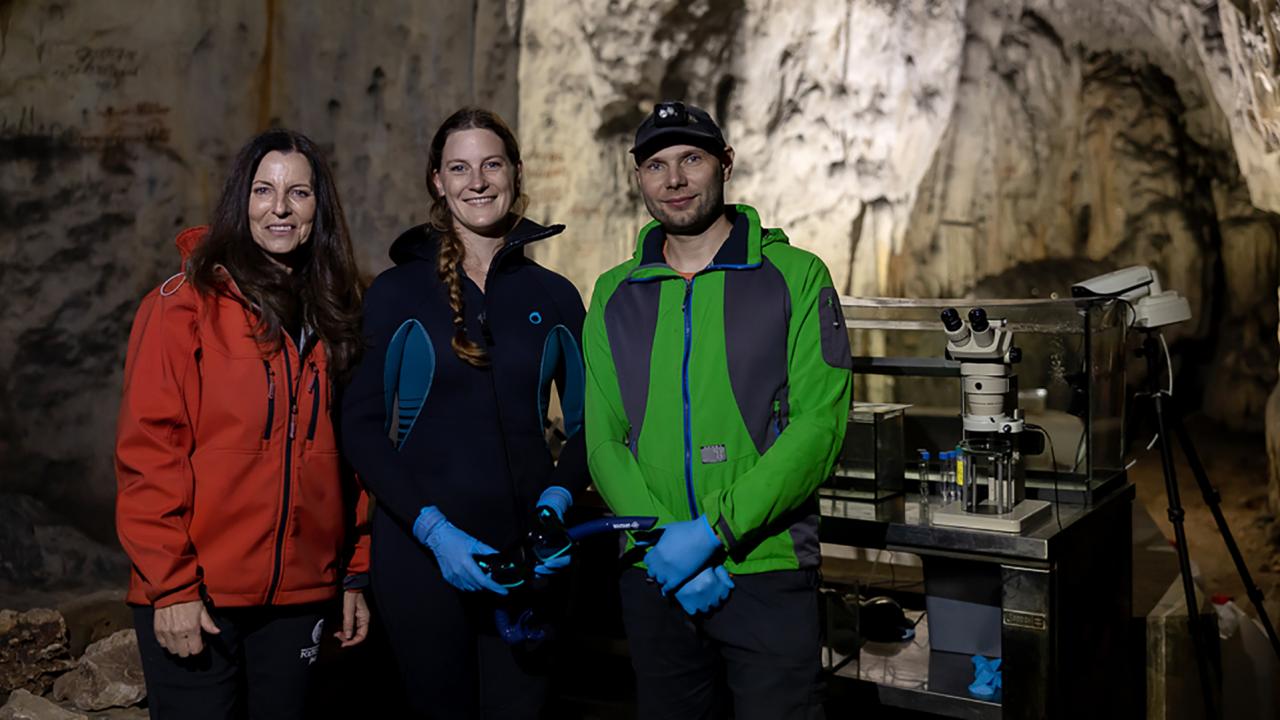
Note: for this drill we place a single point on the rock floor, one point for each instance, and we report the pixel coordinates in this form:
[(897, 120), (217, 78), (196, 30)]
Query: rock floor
[(1236, 465)]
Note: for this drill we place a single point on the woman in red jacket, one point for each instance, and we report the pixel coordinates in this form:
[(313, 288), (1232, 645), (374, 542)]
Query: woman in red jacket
[(232, 504)]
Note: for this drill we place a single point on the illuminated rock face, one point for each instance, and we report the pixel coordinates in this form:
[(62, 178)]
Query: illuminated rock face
[(932, 148)]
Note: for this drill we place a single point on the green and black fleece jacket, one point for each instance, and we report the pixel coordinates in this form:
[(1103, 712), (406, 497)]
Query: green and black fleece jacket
[(725, 395)]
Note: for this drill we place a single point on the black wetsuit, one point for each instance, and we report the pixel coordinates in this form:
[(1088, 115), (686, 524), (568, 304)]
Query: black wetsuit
[(477, 451)]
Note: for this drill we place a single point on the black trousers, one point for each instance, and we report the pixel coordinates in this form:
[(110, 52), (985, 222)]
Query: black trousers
[(453, 663), (257, 667), (760, 650)]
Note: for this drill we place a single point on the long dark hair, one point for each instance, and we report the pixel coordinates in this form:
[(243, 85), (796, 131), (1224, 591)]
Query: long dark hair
[(324, 290), (452, 251)]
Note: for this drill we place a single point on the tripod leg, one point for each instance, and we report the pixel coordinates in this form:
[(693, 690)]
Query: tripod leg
[(1199, 642), (1214, 500)]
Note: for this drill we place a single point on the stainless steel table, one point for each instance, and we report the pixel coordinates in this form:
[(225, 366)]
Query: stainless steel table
[(1065, 597)]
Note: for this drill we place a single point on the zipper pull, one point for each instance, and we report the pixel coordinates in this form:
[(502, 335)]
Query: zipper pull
[(293, 420), (484, 329)]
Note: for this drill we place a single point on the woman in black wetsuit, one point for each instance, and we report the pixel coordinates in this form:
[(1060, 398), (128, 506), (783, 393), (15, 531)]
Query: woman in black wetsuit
[(445, 418)]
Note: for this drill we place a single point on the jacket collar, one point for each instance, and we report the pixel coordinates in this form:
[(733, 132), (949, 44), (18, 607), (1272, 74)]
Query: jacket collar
[(740, 251), (187, 241), (422, 242)]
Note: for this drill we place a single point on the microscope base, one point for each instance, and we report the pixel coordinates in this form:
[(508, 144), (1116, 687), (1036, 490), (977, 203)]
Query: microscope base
[(1022, 515)]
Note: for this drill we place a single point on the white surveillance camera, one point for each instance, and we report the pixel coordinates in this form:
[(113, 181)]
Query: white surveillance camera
[(1140, 286), (1130, 283)]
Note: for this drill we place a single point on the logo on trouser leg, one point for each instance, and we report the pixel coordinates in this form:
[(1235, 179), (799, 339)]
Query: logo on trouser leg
[(310, 653)]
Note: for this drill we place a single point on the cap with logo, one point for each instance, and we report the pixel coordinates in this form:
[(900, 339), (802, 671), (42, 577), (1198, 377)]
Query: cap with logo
[(674, 123)]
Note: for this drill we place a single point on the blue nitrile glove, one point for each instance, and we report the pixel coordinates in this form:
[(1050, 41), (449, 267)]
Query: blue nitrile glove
[(986, 677), (705, 591), (555, 500), (681, 551), (455, 552)]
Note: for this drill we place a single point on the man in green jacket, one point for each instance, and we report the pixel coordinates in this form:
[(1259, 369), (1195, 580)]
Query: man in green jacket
[(717, 395)]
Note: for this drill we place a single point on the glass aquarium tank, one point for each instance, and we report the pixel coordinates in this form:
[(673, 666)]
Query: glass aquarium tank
[(871, 465), (1070, 382)]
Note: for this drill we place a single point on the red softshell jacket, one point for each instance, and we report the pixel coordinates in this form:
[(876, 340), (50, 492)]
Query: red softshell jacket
[(229, 481)]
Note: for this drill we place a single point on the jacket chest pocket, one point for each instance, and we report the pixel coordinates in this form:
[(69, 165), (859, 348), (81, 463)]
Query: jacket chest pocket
[(242, 402), (315, 410)]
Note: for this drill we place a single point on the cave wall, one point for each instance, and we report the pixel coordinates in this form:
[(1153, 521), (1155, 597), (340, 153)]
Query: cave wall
[(945, 149), (922, 147), (118, 122)]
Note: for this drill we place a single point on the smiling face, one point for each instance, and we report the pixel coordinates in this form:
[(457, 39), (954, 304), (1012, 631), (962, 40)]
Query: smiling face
[(282, 203), (683, 187), (477, 181)]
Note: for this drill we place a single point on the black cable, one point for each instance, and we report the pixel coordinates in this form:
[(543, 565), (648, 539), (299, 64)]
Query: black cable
[(1053, 455)]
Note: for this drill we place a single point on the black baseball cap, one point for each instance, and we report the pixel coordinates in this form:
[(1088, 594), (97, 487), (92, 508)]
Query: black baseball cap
[(674, 123)]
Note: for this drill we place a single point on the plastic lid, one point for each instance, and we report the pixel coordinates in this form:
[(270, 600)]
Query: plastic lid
[(924, 454), (1220, 599)]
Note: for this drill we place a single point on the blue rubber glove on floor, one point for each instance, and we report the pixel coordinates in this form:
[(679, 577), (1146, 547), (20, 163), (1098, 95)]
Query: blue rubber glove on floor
[(455, 551), (987, 677), (705, 591), (681, 551), (557, 500)]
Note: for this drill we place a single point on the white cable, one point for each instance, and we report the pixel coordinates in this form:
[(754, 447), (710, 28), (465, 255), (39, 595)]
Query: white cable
[(1167, 362)]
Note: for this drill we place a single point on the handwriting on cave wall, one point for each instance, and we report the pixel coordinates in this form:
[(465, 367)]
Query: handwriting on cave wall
[(142, 122), (111, 118), (109, 64)]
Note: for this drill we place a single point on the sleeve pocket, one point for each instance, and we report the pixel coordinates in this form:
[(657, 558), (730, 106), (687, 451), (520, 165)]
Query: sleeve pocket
[(835, 336)]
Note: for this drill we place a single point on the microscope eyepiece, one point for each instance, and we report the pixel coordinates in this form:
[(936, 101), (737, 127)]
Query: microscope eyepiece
[(978, 320), (951, 320)]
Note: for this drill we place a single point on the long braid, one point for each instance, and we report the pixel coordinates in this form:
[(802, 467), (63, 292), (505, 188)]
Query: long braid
[(449, 268)]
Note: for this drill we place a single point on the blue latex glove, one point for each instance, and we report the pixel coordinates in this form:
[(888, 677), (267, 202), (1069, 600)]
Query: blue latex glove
[(557, 500), (681, 551), (705, 591), (455, 551)]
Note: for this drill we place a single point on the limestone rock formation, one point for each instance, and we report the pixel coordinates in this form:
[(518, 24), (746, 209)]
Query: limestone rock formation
[(93, 616), (33, 650), (921, 147), (108, 675), (22, 705), (118, 123)]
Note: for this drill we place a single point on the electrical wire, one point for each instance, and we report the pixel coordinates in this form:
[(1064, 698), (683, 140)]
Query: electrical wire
[(1168, 364), (1053, 455)]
